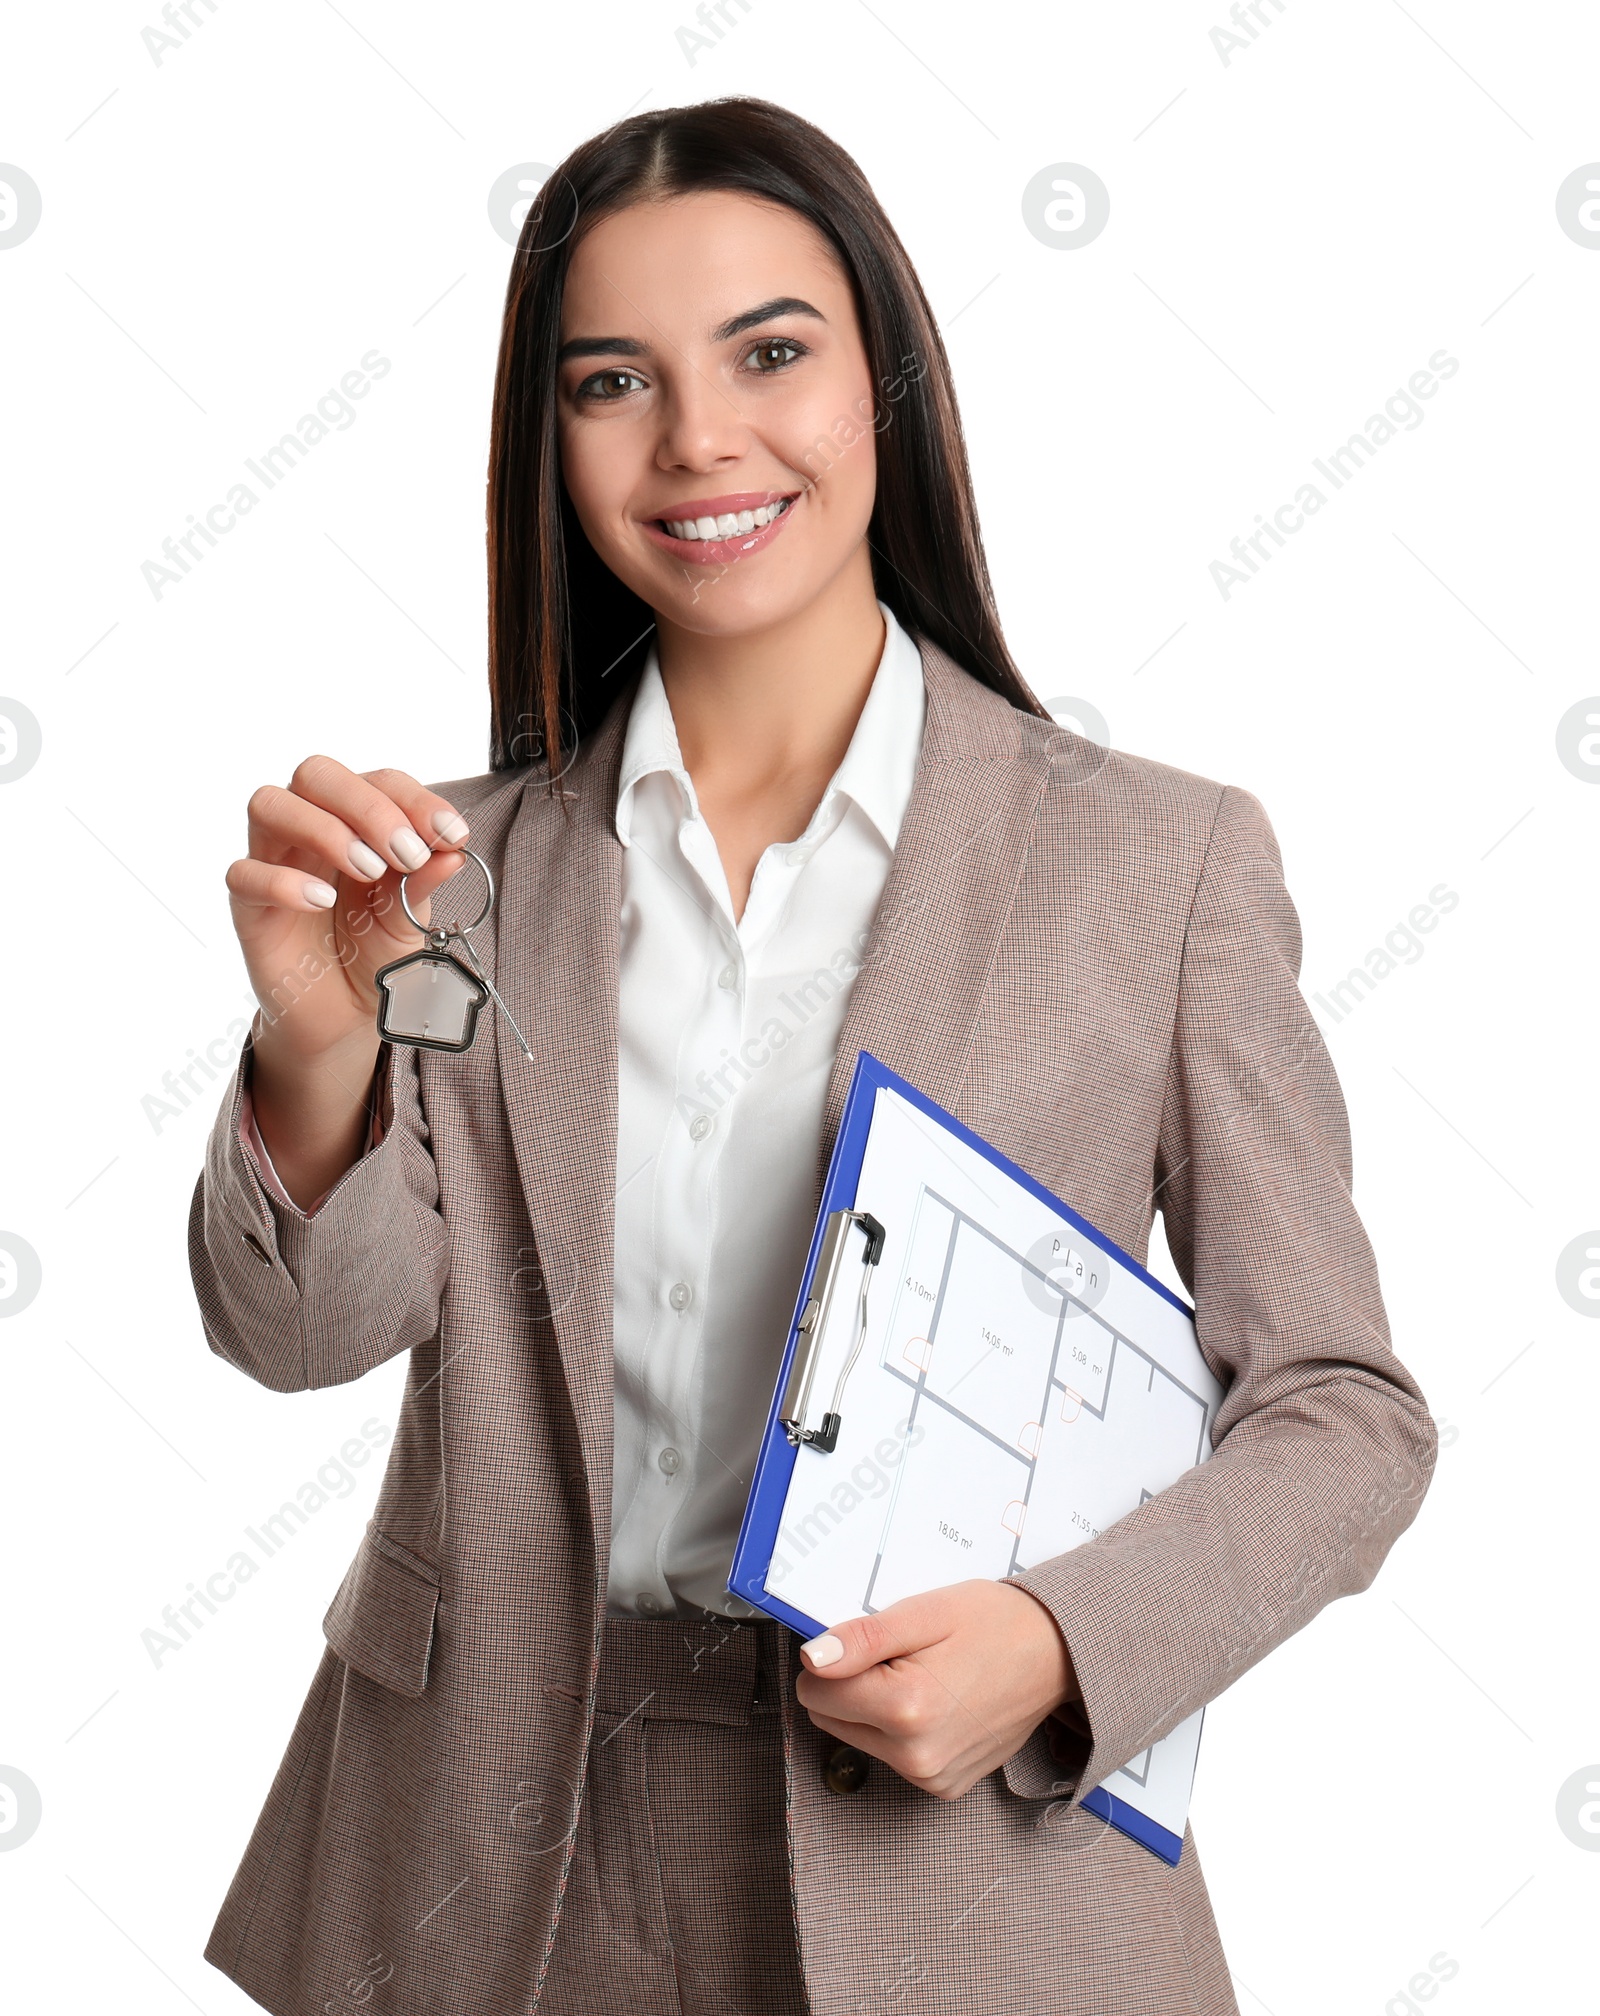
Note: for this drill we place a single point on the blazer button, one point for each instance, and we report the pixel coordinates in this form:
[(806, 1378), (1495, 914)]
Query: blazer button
[(257, 1248), (847, 1769)]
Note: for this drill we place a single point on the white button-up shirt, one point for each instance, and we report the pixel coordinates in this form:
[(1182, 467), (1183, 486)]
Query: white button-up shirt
[(726, 1038)]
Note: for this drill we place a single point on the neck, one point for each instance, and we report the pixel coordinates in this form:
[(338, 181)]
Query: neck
[(780, 702)]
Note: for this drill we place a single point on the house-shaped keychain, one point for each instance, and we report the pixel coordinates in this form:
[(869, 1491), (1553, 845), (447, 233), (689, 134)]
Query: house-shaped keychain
[(431, 1000)]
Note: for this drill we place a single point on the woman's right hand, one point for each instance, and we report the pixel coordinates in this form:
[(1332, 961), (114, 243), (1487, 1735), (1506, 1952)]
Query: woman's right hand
[(316, 905)]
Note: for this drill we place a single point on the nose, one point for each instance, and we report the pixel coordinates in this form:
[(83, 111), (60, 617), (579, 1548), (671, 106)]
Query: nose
[(702, 427)]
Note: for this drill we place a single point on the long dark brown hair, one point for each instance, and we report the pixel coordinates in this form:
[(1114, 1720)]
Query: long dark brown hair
[(565, 635)]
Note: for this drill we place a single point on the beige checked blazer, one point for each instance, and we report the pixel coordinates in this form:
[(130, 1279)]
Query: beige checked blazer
[(1091, 959)]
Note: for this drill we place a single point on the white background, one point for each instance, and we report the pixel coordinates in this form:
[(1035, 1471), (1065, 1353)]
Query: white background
[(1292, 234)]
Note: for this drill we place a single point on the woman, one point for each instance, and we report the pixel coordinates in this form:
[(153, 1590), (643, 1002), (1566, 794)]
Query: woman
[(755, 725)]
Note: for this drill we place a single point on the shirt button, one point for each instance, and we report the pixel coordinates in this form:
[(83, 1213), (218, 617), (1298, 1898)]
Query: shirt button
[(649, 1603), (700, 1126), (680, 1295), (728, 977), (670, 1460)]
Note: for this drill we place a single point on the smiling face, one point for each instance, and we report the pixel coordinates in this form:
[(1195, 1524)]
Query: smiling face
[(715, 409)]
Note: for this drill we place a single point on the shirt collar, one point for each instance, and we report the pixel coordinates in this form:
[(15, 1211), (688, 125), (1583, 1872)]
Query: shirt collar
[(651, 744), (878, 767)]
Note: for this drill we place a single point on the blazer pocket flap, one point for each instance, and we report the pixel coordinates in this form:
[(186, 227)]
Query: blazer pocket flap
[(381, 1618)]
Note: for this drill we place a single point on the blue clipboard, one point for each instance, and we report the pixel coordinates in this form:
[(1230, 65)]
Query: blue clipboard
[(776, 1459)]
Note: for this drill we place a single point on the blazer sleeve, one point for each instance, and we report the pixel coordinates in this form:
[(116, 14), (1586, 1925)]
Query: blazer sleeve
[(299, 1300), (1323, 1446)]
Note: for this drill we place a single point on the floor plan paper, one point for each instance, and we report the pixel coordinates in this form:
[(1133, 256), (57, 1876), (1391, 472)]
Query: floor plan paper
[(1018, 1389)]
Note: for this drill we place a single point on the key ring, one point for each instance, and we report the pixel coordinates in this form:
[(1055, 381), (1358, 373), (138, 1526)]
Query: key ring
[(451, 930)]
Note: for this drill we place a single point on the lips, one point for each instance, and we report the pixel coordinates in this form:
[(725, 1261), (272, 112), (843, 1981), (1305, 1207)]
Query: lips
[(735, 524)]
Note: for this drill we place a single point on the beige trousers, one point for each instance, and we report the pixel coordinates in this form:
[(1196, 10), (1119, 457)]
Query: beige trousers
[(677, 1896)]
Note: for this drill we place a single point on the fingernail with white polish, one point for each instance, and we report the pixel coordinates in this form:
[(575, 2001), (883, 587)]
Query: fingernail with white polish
[(450, 827), (321, 894), (826, 1650), (365, 862), (410, 848)]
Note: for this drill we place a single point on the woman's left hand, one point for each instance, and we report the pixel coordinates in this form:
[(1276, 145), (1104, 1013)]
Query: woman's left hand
[(942, 1687)]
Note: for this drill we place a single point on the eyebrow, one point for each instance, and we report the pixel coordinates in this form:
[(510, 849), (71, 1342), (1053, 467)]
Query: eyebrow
[(629, 346), (601, 346), (782, 304)]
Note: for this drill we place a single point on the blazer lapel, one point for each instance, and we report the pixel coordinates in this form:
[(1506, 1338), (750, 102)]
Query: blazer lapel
[(951, 886), (556, 961)]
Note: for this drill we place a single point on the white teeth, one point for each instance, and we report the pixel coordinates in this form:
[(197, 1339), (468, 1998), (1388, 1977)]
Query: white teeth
[(728, 524)]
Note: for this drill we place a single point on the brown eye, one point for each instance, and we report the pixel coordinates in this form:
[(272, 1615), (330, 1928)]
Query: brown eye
[(774, 355), (606, 385)]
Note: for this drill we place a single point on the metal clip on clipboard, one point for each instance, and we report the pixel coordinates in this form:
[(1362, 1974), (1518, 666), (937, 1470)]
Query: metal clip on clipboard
[(814, 1322)]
